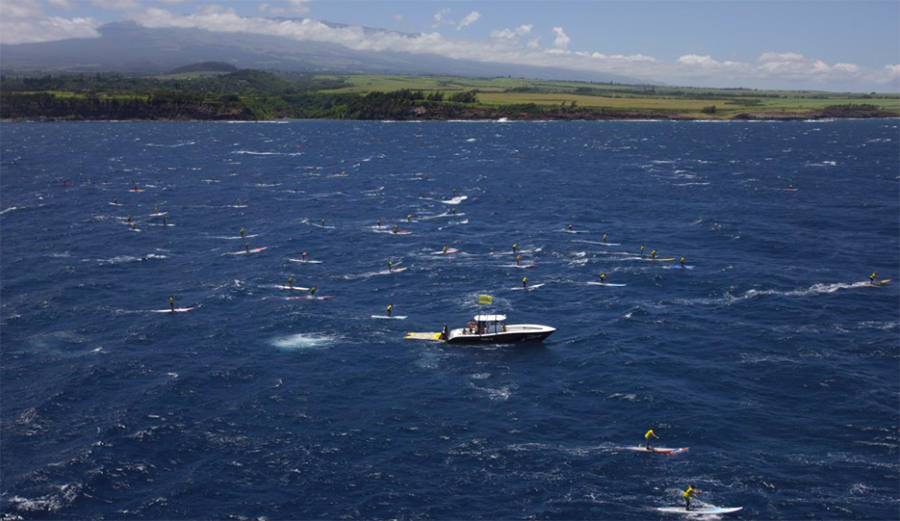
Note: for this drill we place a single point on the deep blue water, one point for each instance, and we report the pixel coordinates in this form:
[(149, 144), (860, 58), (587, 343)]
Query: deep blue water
[(772, 360)]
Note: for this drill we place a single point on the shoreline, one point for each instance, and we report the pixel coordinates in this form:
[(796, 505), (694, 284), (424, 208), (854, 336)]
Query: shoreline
[(804, 118)]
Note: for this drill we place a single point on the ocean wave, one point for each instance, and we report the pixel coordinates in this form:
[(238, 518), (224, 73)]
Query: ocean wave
[(303, 341), (257, 153)]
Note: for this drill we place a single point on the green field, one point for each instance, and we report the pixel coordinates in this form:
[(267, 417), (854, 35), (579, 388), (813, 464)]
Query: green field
[(685, 101)]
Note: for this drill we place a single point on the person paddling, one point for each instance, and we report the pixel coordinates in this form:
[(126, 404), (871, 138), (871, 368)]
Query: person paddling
[(653, 254), (647, 437), (312, 290), (518, 257), (389, 309), (525, 283), (688, 494), (291, 282), (390, 266), (242, 233), (247, 247), (396, 229), (681, 262), (303, 256), (603, 278), (642, 250), (515, 248), (604, 238), (172, 303), (872, 277)]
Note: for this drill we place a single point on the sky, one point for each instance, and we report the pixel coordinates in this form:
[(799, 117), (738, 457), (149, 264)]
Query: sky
[(828, 45)]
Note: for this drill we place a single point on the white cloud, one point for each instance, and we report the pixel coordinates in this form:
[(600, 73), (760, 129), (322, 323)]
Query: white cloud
[(298, 6), (468, 20), (439, 19), (24, 21), (21, 9), (512, 34), (68, 5), (562, 40)]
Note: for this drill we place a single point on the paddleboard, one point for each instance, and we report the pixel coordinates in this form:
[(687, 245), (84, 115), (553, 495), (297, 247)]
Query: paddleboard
[(610, 284), (395, 270), (116, 204), (530, 286), (135, 190), (519, 266), (679, 267), (656, 450), (423, 336), (301, 261), (327, 226), (601, 243), (236, 206), (310, 297), (699, 511), (239, 238), (254, 250), (448, 252), (789, 189), (159, 214), (295, 288), (667, 259), (177, 310), (395, 317), (881, 282), (575, 231)]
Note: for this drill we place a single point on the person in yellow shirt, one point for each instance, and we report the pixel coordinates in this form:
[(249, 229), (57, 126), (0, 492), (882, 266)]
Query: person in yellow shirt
[(647, 437), (688, 494)]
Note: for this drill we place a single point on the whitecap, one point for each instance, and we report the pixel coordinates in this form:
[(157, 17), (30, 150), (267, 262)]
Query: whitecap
[(303, 341)]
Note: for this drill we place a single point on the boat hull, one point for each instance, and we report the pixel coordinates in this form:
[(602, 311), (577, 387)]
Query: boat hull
[(514, 334)]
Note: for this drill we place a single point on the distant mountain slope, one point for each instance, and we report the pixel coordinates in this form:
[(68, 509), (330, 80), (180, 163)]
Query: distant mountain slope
[(128, 47)]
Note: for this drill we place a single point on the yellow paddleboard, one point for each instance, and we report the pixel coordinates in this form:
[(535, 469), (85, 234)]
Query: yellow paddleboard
[(423, 336)]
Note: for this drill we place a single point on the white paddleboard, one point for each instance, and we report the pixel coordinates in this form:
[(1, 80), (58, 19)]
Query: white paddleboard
[(530, 286), (610, 284), (395, 317), (301, 261), (310, 297), (678, 267), (295, 288), (254, 250), (656, 450), (177, 310), (699, 511), (519, 266), (395, 270), (448, 252), (159, 214)]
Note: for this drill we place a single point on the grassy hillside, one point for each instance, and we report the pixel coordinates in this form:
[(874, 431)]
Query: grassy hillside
[(675, 101)]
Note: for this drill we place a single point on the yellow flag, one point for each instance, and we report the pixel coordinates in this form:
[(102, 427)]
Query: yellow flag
[(485, 299)]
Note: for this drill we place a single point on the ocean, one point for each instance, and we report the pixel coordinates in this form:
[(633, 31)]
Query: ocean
[(773, 359)]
